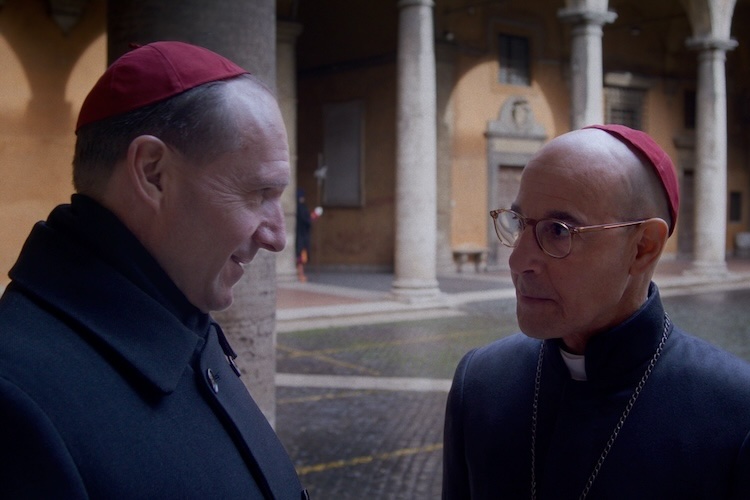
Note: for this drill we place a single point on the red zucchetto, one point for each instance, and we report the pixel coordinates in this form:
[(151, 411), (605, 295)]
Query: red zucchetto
[(656, 156), (151, 73)]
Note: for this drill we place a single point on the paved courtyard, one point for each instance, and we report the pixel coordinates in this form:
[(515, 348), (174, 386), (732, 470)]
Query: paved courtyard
[(360, 406)]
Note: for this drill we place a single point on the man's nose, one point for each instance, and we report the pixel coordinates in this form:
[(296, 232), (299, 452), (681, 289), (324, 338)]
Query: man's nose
[(271, 234), (526, 252)]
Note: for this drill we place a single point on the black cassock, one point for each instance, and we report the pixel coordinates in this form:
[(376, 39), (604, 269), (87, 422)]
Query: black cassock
[(112, 385), (687, 435)]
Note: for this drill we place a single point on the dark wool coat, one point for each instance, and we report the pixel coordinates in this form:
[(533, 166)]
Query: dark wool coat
[(113, 386), (686, 437)]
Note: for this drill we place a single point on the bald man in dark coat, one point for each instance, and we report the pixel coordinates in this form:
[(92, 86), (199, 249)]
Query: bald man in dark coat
[(601, 396)]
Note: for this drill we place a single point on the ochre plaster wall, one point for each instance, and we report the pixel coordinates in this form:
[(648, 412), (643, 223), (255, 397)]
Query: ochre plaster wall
[(44, 77), (352, 236), (478, 99)]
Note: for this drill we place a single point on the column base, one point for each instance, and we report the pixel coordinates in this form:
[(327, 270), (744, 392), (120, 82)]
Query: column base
[(416, 290), (287, 277), (707, 269)]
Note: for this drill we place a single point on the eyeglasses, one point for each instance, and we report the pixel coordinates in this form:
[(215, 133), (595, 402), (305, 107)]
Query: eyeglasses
[(553, 236)]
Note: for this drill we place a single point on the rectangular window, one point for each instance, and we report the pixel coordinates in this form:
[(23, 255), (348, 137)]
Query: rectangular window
[(514, 60), (624, 106), (735, 206), (343, 124)]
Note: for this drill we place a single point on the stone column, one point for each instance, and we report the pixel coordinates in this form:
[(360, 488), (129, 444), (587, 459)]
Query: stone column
[(586, 72), (416, 156), (245, 32), (711, 21), (286, 88), (711, 157)]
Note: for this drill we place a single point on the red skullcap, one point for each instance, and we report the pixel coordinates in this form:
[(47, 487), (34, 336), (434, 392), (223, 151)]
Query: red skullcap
[(660, 160), (152, 73)]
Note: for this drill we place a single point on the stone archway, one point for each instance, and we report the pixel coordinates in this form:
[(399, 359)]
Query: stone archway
[(38, 110)]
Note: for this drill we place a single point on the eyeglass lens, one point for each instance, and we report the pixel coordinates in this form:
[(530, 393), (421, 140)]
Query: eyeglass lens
[(553, 236), (508, 227)]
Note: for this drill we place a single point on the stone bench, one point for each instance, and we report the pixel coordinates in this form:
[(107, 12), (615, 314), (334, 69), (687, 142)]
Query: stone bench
[(470, 253)]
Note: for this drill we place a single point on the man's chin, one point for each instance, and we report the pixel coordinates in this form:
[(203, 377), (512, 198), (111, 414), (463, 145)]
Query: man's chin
[(224, 303), (222, 307), (533, 334), (224, 294), (534, 330), (217, 302)]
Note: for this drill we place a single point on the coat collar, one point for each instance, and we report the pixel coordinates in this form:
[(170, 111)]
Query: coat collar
[(87, 266), (618, 355)]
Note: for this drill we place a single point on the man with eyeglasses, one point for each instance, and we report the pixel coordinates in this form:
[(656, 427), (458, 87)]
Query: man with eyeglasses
[(601, 396)]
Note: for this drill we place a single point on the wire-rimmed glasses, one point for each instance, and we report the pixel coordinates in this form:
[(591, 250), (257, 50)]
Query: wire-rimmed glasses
[(553, 236)]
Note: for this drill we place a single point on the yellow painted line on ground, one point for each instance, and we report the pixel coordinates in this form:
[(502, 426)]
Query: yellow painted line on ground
[(338, 464), (297, 353)]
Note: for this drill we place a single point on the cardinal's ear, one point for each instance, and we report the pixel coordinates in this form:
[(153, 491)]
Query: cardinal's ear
[(146, 164), (652, 237)]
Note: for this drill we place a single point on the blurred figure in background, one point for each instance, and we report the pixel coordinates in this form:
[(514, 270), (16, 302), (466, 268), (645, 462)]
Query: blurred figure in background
[(305, 219)]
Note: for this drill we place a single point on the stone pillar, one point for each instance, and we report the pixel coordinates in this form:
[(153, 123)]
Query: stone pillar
[(711, 158), (586, 72), (711, 21), (416, 154), (245, 32), (286, 88)]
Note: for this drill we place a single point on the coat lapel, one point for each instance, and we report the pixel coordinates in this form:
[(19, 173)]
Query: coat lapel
[(270, 465)]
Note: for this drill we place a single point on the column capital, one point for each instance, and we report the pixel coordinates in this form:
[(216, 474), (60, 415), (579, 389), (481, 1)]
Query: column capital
[(65, 13), (711, 43), (582, 15), (415, 3)]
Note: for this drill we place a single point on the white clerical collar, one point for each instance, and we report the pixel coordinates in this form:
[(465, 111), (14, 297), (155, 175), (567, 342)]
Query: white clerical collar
[(576, 365)]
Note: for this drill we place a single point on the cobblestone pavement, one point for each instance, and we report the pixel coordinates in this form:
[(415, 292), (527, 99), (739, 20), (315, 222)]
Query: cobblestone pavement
[(370, 443), (360, 408)]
